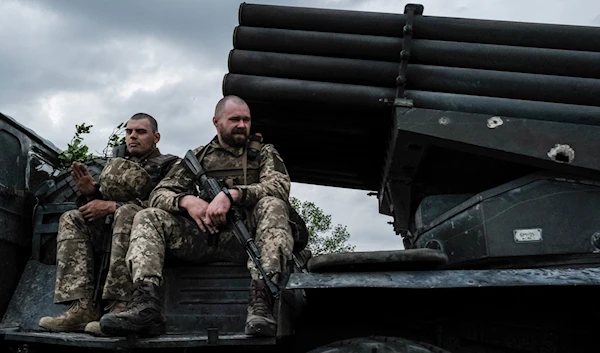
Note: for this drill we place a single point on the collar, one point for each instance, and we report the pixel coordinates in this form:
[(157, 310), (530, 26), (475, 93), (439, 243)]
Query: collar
[(236, 151), (152, 154)]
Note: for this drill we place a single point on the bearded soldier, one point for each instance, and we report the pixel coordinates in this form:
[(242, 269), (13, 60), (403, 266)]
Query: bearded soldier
[(191, 228), (123, 189)]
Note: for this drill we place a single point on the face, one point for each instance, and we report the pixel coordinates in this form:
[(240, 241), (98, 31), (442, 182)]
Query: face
[(233, 126), (139, 137)]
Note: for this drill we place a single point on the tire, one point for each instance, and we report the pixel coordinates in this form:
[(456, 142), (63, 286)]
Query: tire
[(378, 344), (62, 188)]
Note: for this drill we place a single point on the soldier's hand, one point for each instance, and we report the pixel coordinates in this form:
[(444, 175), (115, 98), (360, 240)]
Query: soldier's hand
[(97, 209), (217, 210), (85, 182), (196, 208)]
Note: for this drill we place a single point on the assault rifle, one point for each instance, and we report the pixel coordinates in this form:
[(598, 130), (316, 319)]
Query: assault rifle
[(234, 217)]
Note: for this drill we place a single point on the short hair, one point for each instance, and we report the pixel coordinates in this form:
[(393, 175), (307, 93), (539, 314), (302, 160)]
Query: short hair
[(153, 123), (221, 103)]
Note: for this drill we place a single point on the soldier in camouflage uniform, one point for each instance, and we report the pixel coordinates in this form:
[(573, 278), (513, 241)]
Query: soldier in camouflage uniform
[(184, 224), (123, 189)]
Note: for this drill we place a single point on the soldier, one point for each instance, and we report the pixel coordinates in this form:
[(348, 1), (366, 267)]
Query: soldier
[(183, 223), (123, 189)]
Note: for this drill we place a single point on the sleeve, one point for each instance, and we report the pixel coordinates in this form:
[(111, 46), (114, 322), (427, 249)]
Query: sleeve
[(273, 179), (177, 183)]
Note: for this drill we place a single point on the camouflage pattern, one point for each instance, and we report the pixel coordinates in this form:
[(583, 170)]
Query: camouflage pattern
[(124, 180), (75, 242), (266, 176), (273, 235), (265, 194), (78, 239), (118, 285), (157, 232)]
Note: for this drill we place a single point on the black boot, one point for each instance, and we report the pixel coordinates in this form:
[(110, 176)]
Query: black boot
[(260, 320), (144, 314)]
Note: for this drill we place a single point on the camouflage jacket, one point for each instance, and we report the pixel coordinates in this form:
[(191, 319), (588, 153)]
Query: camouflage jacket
[(266, 175), (155, 164)]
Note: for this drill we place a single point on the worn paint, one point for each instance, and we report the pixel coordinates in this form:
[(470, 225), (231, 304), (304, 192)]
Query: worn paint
[(494, 122), (561, 152)]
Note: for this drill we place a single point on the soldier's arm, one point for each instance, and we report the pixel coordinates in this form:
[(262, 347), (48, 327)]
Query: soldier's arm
[(274, 179), (176, 184)]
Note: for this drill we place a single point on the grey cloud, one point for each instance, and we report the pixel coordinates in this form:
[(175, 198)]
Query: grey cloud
[(65, 62)]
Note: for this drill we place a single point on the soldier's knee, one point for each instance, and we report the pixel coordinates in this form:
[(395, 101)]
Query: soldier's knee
[(126, 210), (69, 220), (71, 216), (270, 205), (149, 215)]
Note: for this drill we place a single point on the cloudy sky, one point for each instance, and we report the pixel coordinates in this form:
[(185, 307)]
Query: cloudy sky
[(99, 62)]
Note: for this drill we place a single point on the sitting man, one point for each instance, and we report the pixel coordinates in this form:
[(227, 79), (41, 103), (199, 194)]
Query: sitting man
[(123, 189), (184, 225)]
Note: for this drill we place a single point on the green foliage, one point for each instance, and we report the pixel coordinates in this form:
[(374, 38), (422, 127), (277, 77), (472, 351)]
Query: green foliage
[(78, 151), (116, 138), (318, 223)]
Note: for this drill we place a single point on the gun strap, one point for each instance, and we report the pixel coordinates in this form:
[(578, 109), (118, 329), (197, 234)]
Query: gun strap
[(245, 166), (203, 153)]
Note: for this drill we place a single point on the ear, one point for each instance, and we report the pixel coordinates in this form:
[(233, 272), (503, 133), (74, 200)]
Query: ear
[(214, 121), (156, 137)]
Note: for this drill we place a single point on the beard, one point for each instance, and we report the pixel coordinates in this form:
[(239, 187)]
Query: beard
[(236, 138)]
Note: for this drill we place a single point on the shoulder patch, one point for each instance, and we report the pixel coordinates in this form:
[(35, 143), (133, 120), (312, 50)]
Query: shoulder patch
[(278, 163)]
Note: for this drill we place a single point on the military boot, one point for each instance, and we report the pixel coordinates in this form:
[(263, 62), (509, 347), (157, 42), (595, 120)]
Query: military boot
[(260, 320), (79, 314), (144, 314), (116, 306)]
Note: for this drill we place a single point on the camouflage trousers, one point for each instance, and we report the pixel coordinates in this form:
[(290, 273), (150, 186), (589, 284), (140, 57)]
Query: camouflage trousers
[(77, 241), (156, 233)]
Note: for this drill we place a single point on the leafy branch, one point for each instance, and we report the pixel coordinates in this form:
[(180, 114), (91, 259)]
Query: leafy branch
[(76, 151), (79, 151), (115, 139)]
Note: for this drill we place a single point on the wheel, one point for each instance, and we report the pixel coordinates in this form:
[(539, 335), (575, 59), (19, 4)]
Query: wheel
[(378, 344)]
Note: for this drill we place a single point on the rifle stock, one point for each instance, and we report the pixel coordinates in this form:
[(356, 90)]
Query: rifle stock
[(234, 218)]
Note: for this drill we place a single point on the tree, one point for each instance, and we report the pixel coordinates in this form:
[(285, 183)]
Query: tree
[(318, 223)]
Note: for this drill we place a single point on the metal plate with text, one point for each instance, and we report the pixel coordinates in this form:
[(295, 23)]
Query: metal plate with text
[(528, 235)]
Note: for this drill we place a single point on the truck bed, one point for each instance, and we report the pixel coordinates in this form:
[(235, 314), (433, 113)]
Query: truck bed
[(204, 305)]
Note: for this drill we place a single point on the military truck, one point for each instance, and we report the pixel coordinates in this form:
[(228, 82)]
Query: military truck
[(478, 137)]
